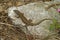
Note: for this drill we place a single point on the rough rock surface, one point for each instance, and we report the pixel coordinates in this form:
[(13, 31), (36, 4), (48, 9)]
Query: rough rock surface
[(36, 12)]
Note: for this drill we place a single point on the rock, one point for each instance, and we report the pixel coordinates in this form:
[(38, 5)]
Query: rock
[(35, 11)]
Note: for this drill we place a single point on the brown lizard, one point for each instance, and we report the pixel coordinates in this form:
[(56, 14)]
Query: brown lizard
[(26, 21)]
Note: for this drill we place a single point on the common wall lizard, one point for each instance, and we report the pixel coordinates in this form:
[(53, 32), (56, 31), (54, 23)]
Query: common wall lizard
[(26, 21)]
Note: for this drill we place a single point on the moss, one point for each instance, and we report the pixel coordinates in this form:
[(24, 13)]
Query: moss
[(55, 25)]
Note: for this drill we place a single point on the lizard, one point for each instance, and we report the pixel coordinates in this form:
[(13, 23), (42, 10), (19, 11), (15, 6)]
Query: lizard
[(26, 21)]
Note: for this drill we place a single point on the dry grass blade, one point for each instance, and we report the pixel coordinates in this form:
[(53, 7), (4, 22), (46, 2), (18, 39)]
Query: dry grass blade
[(6, 24)]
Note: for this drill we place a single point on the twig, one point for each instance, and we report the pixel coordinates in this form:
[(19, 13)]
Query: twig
[(6, 24), (52, 5)]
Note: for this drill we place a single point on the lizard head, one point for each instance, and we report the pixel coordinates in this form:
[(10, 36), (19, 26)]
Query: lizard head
[(18, 13)]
